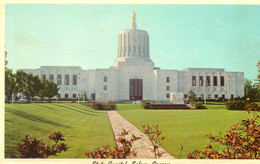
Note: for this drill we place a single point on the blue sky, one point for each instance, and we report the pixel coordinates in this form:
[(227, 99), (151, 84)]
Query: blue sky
[(181, 36)]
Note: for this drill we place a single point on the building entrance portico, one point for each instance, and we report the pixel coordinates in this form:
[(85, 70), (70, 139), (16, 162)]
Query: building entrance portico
[(136, 89)]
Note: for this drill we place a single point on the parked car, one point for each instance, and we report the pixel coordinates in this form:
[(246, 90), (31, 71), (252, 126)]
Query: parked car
[(22, 101)]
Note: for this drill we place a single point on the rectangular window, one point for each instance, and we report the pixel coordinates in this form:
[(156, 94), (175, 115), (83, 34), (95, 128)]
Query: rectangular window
[(167, 79), (44, 76), (105, 78), (222, 81), (66, 95), (209, 96), (232, 96), (51, 77), (74, 96), (201, 80), (167, 88), (105, 87), (201, 95), (193, 80), (168, 95), (75, 79), (216, 96), (59, 79), (223, 96), (215, 81), (208, 80), (67, 79)]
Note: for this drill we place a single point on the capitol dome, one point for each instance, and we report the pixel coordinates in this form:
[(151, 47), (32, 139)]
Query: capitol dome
[(133, 43)]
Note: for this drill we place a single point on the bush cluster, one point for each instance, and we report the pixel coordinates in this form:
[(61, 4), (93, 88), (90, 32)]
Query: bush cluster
[(103, 105), (239, 104), (145, 104), (34, 148), (198, 105)]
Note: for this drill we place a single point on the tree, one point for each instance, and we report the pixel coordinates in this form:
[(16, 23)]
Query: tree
[(191, 96), (6, 62), (250, 91), (27, 84), (48, 89), (258, 76), (10, 83)]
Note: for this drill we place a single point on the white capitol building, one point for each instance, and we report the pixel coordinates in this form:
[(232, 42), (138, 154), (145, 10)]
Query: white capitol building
[(134, 77)]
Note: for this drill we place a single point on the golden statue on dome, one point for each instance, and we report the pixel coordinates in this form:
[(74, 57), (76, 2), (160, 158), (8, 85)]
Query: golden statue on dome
[(133, 17)]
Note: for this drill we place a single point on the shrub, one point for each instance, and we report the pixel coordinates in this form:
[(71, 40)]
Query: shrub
[(242, 141), (103, 105), (198, 105), (251, 105), (155, 138), (239, 104), (236, 104), (120, 152), (111, 106), (144, 104), (33, 148)]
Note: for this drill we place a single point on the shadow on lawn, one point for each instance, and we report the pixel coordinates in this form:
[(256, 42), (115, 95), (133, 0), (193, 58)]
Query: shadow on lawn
[(64, 106), (44, 106), (83, 107), (35, 118)]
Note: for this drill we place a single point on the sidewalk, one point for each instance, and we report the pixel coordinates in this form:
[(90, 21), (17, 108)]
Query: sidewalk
[(140, 146)]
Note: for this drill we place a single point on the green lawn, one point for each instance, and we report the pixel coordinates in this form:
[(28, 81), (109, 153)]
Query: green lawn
[(181, 125), (84, 129)]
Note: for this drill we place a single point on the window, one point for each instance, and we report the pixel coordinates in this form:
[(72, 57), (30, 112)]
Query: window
[(209, 96), (201, 80), (74, 95), (232, 96), (216, 96), (59, 79), (193, 80), (222, 81), (75, 79), (105, 78), (67, 79), (66, 95), (168, 95), (201, 95), (223, 96), (167, 79), (215, 81), (167, 88), (208, 80), (51, 77), (105, 87), (43, 76)]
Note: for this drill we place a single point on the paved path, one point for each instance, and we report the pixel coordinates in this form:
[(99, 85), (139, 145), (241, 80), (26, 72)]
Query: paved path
[(140, 146)]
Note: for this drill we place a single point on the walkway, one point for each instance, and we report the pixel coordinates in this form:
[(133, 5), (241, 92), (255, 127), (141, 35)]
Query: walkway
[(140, 146)]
